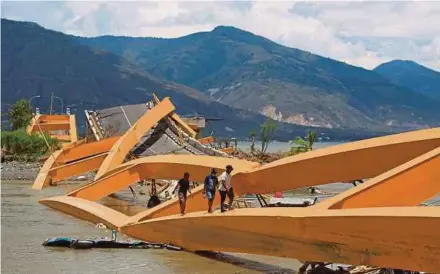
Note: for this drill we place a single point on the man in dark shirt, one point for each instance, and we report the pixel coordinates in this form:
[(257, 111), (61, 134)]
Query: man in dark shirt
[(183, 186), (211, 183)]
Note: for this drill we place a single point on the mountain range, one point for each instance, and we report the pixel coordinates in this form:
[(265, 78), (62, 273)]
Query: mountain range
[(250, 72), (226, 73), (40, 61), (413, 76)]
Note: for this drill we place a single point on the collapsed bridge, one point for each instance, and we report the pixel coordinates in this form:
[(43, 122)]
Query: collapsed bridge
[(152, 142)]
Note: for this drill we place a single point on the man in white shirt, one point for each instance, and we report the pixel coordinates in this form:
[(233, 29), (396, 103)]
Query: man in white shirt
[(225, 188)]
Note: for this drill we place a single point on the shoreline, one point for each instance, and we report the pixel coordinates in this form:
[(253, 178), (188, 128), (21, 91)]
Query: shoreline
[(18, 170), (28, 171)]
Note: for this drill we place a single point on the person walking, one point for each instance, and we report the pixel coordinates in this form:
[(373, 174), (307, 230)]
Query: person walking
[(183, 185), (225, 188), (211, 183)]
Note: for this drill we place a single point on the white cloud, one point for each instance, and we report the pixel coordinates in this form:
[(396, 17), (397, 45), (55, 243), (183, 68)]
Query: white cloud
[(360, 33)]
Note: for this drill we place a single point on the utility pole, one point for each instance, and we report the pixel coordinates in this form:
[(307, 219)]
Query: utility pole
[(51, 103)]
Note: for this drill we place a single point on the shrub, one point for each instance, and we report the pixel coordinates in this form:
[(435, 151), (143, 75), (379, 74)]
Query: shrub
[(18, 142)]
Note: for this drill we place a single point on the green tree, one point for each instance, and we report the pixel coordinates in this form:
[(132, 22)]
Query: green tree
[(300, 145), (267, 132), (20, 115)]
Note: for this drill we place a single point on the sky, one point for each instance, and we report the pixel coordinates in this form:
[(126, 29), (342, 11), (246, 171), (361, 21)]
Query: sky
[(364, 34)]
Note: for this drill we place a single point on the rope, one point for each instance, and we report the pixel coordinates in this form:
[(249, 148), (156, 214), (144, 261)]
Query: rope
[(45, 140), (125, 114)]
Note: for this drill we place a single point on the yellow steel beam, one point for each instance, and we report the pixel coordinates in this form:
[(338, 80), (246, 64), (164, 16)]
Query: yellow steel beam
[(176, 118), (55, 117), (47, 123), (72, 130), (159, 166), (206, 140), (32, 123), (74, 144), (227, 149), (406, 185), (60, 173), (87, 149), (126, 142), (184, 126), (362, 159), (401, 237), (38, 119), (52, 173), (312, 234), (69, 154), (86, 210), (390, 237), (51, 126), (341, 163), (43, 177)]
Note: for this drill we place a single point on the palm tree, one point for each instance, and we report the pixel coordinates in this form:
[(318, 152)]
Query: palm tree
[(300, 145)]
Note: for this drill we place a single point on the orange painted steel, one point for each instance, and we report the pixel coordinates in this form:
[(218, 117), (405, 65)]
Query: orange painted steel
[(37, 119), (43, 178), (76, 168), (206, 140), (227, 149), (179, 121), (87, 149), (86, 210), (340, 163), (401, 237), (406, 185), (73, 153), (427, 181), (126, 142), (72, 130), (305, 234), (401, 164), (51, 126), (257, 179), (53, 117), (184, 126), (49, 123), (157, 167)]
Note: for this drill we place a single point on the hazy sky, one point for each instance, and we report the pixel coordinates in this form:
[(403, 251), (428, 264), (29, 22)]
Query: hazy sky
[(360, 33)]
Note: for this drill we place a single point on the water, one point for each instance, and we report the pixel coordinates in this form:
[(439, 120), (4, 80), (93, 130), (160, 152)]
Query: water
[(276, 147), (26, 224)]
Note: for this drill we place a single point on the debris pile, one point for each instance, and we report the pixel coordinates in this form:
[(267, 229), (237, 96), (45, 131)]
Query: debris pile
[(257, 156), (323, 268), (104, 243)]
